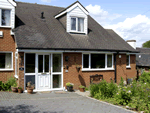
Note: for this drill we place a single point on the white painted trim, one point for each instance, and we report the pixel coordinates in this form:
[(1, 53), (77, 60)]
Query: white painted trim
[(105, 61), (62, 77), (24, 71), (54, 89), (12, 69), (36, 71), (99, 69), (71, 8), (5, 26), (60, 51), (128, 66), (127, 53), (76, 31), (51, 71), (30, 73), (77, 5), (12, 2), (102, 69), (6, 69), (60, 14)]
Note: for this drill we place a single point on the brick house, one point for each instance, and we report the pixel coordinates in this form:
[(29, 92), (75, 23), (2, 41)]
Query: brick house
[(143, 59), (51, 46)]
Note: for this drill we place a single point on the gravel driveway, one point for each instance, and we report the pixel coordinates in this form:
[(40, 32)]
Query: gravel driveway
[(53, 103)]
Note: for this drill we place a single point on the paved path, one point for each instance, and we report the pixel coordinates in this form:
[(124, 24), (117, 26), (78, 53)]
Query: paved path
[(53, 103)]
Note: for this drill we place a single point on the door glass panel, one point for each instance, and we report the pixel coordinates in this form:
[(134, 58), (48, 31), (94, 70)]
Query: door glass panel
[(56, 81), (30, 63), (30, 78), (56, 62), (40, 63), (46, 63)]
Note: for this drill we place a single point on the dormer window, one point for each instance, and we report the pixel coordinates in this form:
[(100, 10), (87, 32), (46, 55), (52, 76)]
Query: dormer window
[(77, 24), (5, 17)]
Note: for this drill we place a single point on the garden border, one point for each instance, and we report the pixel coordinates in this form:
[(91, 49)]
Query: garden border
[(108, 103)]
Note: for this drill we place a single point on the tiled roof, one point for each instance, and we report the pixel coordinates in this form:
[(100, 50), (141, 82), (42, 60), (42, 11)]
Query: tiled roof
[(143, 58), (32, 32)]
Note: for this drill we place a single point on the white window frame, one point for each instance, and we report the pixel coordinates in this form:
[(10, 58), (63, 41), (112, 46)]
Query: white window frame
[(77, 25), (2, 69), (1, 18), (128, 66), (99, 69)]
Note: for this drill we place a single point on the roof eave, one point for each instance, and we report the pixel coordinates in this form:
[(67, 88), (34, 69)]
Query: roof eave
[(78, 49)]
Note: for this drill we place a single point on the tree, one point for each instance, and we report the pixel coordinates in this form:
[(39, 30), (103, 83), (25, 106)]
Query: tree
[(146, 44)]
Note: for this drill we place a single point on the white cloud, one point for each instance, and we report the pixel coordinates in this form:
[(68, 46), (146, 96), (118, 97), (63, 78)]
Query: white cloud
[(48, 1), (137, 28), (101, 15)]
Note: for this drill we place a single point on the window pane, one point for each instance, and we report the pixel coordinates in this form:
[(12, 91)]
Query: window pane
[(80, 24), (30, 63), (5, 60), (5, 17), (97, 60), (109, 60), (40, 64), (46, 63), (56, 81), (73, 23), (30, 78), (127, 62), (56, 62), (85, 61)]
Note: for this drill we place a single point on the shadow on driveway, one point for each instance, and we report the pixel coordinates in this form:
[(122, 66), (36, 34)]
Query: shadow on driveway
[(21, 109)]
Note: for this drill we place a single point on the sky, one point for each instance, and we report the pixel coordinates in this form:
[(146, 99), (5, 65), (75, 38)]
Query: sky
[(128, 18)]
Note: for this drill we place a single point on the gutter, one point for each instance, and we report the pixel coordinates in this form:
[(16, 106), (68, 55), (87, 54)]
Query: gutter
[(75, 49)]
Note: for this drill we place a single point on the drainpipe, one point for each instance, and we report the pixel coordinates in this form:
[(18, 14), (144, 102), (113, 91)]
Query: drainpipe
[(115, 58)]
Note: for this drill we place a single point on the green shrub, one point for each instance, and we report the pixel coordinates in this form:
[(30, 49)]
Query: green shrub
[(11, 81), (121, 82), (145, 77), (15, 85), (86, 89), (19, 88), (112, 89), (69, 84), (7, 85), (103, 90), (94, 89), (81, 86), (123, 97)]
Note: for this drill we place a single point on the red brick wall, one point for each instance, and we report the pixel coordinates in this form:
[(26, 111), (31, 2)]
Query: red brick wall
[(7, 43), (21, 72), (122, 70), (83, 77)]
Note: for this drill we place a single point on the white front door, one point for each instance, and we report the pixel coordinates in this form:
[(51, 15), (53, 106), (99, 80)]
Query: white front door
[(43, 71)]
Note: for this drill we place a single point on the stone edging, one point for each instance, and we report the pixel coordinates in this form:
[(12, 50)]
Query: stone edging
[(108, 103)]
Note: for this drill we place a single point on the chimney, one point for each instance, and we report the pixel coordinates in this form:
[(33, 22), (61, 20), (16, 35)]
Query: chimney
[(132, 43), (42, 15)]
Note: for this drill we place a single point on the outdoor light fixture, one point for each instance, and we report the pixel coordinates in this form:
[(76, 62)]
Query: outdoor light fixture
[(119, 56)]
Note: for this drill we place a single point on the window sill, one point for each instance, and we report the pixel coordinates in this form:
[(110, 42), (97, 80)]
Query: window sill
[(78, 32), (6, 69), (98, 69), (128, 67), (5, 26)]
